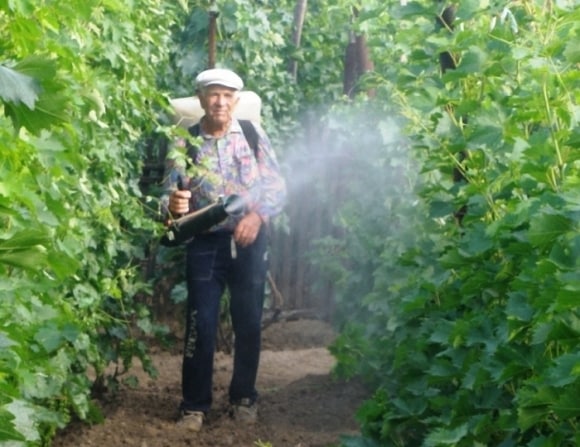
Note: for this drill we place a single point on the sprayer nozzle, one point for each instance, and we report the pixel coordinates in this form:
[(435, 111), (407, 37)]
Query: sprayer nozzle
[(186, 227), (234, 205)]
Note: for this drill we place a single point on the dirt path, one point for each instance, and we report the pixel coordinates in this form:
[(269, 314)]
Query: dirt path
[(300, 404)]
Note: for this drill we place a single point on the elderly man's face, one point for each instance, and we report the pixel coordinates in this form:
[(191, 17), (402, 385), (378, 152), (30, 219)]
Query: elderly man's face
[(218, 103)]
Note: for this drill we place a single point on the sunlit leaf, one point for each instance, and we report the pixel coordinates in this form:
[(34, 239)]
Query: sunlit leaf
[(442, 436), (8, 431), (24, 420), (33, 258), (17, 87), (24, 239)]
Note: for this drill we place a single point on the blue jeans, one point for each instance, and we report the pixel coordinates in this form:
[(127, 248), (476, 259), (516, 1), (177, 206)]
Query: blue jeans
[(210, 268)]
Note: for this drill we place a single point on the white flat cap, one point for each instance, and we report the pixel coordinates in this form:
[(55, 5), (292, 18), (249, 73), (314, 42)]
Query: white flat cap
[(219, 76)]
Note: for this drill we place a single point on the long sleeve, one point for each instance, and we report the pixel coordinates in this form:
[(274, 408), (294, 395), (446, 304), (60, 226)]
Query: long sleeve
[(272, 184)]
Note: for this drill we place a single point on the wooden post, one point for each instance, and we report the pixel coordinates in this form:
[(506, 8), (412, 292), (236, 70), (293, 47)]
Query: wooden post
[(299, 14), (357, 61), (447, 62), (211, 52)]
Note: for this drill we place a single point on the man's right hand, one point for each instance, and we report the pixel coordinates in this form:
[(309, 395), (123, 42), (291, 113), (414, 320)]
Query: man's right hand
[(179, 202)]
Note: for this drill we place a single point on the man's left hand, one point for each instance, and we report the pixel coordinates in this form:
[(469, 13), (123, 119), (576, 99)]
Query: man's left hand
[(247, 229)]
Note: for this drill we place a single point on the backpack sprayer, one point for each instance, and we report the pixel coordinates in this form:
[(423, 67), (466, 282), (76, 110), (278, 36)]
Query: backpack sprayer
[(185, 228)]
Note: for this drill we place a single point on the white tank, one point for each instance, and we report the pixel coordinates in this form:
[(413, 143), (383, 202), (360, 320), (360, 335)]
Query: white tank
[(188, 111)]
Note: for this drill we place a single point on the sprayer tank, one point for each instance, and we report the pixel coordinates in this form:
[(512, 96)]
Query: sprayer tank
[(188, 111)]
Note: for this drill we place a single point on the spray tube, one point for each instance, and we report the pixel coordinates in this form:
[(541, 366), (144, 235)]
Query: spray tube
[(185, 228)]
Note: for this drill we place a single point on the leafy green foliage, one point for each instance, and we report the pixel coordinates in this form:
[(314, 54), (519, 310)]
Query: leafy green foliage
[(468, 332), (77, 91)]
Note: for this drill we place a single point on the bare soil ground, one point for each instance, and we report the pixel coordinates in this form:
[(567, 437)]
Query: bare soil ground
[(301, 405)]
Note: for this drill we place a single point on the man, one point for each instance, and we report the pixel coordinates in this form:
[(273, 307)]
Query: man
[(231, 254)]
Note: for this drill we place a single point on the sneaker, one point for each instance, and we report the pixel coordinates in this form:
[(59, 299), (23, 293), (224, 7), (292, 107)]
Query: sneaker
[(191, 420), (245, 411)]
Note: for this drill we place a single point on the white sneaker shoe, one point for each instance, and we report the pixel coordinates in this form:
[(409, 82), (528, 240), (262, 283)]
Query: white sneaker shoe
[(245, 411), (191, 420)]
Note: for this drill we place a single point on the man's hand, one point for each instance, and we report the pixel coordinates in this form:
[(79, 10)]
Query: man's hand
[(247, 229), (179, 202)]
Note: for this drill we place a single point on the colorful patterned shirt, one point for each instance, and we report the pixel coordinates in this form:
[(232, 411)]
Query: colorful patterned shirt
[(228, 165)]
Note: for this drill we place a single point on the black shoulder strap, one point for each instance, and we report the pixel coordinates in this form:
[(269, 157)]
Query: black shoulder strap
[(194, 130), (251, 135)]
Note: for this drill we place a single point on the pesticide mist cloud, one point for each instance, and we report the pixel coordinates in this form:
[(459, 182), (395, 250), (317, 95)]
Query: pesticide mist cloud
[(345, 152)]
